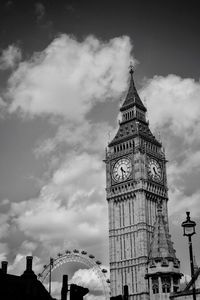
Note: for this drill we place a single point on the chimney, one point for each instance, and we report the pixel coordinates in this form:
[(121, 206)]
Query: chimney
[(4, 265), (64, 289), (29, 260), (28, 273)]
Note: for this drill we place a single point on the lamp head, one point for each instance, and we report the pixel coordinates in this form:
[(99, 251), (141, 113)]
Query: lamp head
[(188, 225)]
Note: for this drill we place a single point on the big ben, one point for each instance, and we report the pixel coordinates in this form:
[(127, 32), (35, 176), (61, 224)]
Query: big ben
[(136, 187)]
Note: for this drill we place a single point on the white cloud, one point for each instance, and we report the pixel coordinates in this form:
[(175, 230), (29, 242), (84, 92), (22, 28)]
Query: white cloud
[(69, 77), (18, 266), (174, 109), (173, 102), (10, 57), (86, 136), (4, 202), (56, 287), (4, 225), (27, 247), (90, 279), (68, 206), (181, 203), (87, 278), (2, 103), (3, 251)]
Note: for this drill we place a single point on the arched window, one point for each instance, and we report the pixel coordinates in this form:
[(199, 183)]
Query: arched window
[(155, 285), (176, 284), (166, 283)]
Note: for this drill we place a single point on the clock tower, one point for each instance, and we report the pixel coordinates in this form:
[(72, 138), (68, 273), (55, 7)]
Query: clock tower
[(135, 184)]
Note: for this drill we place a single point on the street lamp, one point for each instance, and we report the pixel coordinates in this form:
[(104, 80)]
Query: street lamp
[(189, 230)]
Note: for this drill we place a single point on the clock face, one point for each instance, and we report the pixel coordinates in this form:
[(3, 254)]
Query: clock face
[(122, 169), (154, 170)]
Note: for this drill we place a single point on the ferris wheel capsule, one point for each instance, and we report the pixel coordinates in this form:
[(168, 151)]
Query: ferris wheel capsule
[(75, 251), (104, 271)]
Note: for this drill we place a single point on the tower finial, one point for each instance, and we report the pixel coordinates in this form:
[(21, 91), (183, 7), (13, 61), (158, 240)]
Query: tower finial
[(131, 70)]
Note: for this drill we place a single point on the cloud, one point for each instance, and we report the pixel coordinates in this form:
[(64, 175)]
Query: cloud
[(87, 136), (173, 101), (4, 225), (69, 77), (69, 204), (56, 287), (28, 247), (3, 251), (40, 11), (10, 57), (4, 202), (174, 109), (74, 191), (87, 278), (8, 5), (18, 266)]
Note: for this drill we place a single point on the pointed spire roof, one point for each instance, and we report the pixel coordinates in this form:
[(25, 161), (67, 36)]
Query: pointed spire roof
[(161, 245), (132, 97)]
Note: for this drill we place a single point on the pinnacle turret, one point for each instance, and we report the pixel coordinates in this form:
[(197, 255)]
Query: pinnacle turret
[(163, 270), (161, 245)]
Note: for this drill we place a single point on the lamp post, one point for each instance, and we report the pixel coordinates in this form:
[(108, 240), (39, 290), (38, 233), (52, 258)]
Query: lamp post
[(189, 230)]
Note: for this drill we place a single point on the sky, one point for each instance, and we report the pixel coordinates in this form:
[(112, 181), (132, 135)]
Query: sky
[(63, 74)]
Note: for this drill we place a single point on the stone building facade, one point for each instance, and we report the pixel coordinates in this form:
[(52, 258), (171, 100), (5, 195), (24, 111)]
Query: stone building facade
[(135, 184)]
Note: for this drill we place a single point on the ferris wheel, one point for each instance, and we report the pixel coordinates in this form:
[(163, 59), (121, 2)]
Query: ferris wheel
[(80, 257)]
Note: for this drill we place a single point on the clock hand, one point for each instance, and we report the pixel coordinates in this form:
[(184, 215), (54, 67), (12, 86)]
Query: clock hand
[(122, 170), (155, 172)]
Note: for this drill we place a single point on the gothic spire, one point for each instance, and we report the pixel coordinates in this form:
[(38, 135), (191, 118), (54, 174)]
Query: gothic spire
[(132, 97)]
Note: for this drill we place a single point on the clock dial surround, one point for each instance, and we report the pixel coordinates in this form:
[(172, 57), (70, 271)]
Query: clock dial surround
[(122, 169), (154, 170)]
